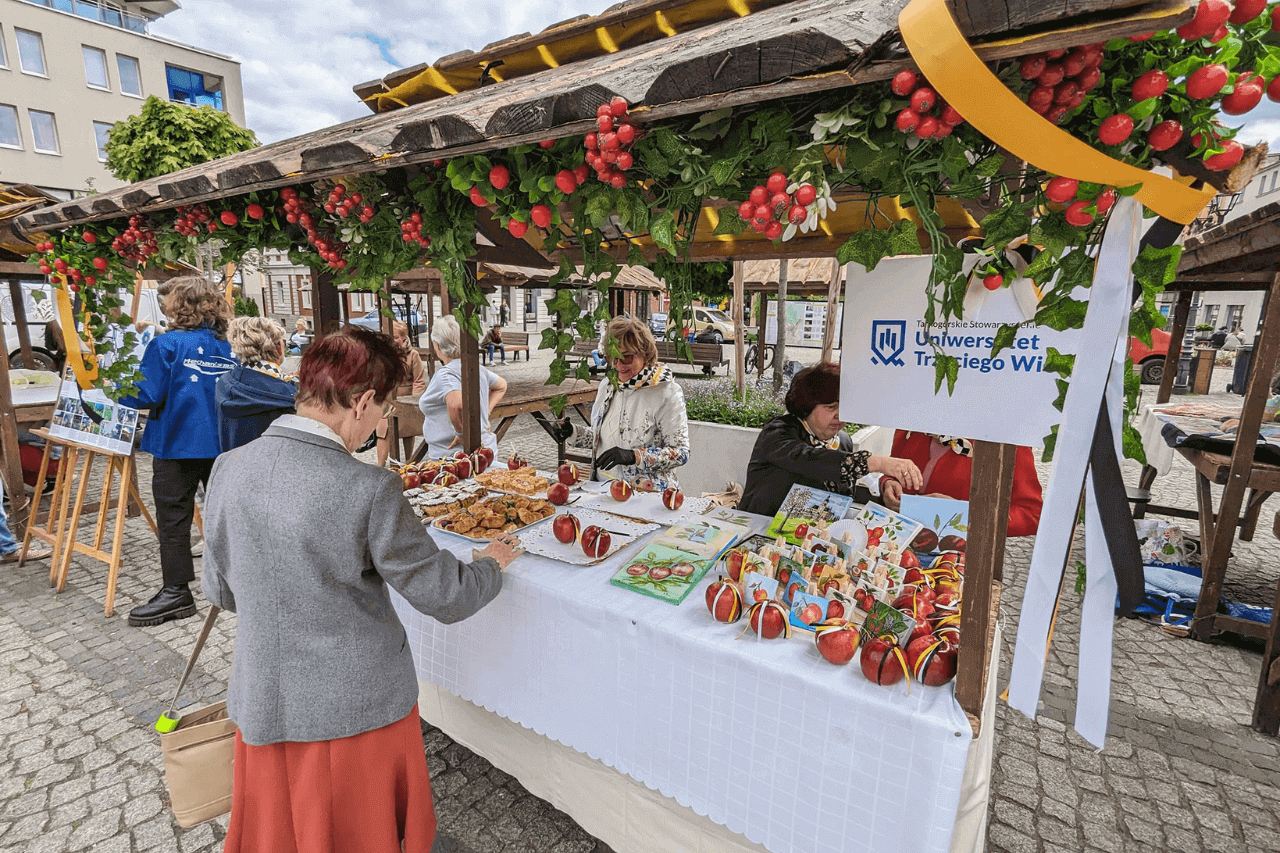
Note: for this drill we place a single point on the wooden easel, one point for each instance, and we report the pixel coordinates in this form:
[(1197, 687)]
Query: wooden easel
[(63, 520)]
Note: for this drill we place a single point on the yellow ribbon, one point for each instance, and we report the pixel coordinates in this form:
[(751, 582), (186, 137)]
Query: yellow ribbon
[(86, 372), (959, 75)]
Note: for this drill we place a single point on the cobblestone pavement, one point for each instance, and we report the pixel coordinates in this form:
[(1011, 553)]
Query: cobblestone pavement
[(80, 768)]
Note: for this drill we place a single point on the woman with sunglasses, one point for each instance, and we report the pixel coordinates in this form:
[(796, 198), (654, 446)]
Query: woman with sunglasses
[(639, 427)]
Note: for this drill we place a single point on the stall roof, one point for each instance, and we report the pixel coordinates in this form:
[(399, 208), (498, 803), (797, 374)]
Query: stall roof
[(16, 200), (1246, 244), (796, 47), (805, 276)]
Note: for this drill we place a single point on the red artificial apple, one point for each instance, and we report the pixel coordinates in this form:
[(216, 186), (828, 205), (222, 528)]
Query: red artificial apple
[(724, 601), (410, 479), (516, 461), (837, 640), (460, 454), (446, 479), (567, 528), (932, 659), (462, 468), (620, 490), (769, 620), (733, 563), (488, 455), (909, 560), (948, 599), (595, 540), (913, 575), (567, 473), (672, 499), (479, 463), (913, 605), (882, 661), (558, 493)]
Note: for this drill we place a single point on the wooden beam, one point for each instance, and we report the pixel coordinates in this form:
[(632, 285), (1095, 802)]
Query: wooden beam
[(326, 315), (1224, 532), (472, 426), (981, 17), (990, 490), (11, 469), (739, 336), (18, 268), (780, 349), (833, 304), (20, 323), (1181, 310)]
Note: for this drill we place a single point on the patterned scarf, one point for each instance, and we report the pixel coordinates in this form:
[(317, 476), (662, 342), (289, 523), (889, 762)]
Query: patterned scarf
[(651, 375), (833, 444), (265, 367), (961, 446)]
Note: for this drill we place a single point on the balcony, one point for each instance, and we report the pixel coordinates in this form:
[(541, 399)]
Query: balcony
[(104, 13)]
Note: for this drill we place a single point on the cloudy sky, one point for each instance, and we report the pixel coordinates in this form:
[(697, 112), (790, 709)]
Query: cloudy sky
[(300, 58)]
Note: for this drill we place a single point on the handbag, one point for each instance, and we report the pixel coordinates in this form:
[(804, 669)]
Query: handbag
[(199, 750)]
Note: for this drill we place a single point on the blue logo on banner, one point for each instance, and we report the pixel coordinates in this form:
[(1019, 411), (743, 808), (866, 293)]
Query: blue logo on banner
[(888, 340)]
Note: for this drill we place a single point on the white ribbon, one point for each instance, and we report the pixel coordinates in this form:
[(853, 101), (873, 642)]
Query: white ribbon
[(1106, 322)]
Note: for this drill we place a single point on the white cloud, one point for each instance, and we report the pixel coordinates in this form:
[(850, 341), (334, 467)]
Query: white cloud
[(300, 58)]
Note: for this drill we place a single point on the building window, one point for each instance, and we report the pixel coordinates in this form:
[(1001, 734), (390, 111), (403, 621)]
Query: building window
[(194, 88), (95, 68), (4, 61), (44, 131), (130, 77), (100, 131), (1211, 315), (30, 52), (9, 137), (306, 299), (1235, 317)]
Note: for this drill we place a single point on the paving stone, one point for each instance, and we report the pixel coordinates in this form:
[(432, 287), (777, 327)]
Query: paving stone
[(196, 838), (160, 832), (94, 829), (1002, 837)]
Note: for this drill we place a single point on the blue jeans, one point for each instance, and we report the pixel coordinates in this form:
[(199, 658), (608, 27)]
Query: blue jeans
[(7, 543), (501, 350)]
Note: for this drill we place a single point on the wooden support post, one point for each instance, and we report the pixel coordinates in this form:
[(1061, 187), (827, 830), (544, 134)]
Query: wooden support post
[(471, 390), (9, 453), (384, 310), (1181, 310), (431, 322), (1266, 708), (780, 351), (325, 314), (990, 490), (761, 310), (1255, 399), (833, 304), (20, 323), (740, 367)]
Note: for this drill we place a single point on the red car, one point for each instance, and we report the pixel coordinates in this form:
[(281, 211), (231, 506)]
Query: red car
[(1148, 361)]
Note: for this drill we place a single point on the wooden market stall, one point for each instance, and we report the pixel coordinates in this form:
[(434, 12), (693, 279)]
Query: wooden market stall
[(1243, 254), (674, 58)]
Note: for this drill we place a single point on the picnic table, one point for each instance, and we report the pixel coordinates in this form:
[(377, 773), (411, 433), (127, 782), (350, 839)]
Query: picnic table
[(527, 397)]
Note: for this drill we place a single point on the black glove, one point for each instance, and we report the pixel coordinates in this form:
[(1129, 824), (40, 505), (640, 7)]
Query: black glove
[(561, 430), (615, 456)]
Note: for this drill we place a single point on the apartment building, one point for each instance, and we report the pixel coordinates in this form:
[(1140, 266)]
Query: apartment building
[(69, 69)]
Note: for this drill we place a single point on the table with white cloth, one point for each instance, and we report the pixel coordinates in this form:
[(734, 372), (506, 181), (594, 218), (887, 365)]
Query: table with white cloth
[(564, 676)]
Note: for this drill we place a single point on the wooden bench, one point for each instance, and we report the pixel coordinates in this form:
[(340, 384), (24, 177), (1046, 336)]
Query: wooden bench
[(706, 356), (582, 351), (513, 343)]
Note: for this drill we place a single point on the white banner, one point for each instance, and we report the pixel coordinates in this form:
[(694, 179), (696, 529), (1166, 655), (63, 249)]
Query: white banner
[(887, 375)]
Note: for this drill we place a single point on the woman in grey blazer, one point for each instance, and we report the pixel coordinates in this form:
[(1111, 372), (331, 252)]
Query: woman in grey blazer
[(323, 688)]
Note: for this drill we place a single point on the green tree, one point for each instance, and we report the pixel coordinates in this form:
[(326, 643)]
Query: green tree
[(166, 137)]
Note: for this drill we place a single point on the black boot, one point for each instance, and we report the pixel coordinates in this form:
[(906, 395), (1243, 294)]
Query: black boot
[(172, 602)]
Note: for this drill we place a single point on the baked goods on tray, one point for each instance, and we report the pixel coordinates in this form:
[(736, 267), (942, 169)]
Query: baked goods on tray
[(523, 481), (498, 514)]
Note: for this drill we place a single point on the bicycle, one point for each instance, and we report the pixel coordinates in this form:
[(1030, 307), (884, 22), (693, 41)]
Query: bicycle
[(749, 359)]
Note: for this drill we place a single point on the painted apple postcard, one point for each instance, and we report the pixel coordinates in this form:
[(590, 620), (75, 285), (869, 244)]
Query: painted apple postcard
[(805, 508), (664, 573), (807, 610), (946, 522), (758, 587), (702, 538), (886, 527), (883, 619)]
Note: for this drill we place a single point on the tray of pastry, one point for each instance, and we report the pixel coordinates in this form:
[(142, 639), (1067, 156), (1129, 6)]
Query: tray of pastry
[(487, 518), (432, 503)]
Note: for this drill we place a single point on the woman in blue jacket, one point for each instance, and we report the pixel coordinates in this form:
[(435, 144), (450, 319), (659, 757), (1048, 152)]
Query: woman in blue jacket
[(180, 370)]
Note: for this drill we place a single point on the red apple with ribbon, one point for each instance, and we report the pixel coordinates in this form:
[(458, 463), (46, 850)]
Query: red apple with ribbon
[(882, 662), (769, 620), (724, 601), (932, 659), (837, 640)]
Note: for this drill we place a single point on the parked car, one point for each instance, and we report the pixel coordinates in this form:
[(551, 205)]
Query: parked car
[(1148, 361), (373, 320), (718, 323), (658, 324)]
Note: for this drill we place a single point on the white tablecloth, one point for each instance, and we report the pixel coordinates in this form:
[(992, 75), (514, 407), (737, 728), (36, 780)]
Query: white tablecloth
[(764, 737)]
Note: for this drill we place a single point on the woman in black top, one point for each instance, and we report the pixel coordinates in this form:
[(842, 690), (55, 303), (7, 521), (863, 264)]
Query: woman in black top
[(807, 445)]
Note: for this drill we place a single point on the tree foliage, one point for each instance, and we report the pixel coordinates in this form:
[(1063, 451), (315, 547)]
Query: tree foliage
[(166, 137)]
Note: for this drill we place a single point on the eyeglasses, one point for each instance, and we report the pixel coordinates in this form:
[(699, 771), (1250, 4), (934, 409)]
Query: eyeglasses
[(622, 358)]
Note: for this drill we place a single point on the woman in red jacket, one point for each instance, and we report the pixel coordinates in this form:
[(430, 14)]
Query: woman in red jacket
[(946, 463)]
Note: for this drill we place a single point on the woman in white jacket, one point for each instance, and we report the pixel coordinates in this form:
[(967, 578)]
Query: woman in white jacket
[(639, 427)]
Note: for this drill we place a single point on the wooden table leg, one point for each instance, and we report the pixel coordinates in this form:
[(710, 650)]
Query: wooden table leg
[(1147, 477), (505, 425), (62, 494), (1266, 708), (117, 537), (35, 505), (1252, 509)]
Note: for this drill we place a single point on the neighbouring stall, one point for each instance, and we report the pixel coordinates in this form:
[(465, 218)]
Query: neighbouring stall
[(615, 663)]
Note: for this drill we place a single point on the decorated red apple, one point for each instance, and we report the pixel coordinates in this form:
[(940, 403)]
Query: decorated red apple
[(909, 560), (567, 528), (769, 620), (595, 540), (733, 563), (837, 640), (445, 478), (620, 490), (567, 473), (460, 454), (516, 461), (672, 499), (913, 605), (932, 659), (462, 468), (410, 479), (558, 493), (947, 599), (882, 661), (913, 575), (724, 601)]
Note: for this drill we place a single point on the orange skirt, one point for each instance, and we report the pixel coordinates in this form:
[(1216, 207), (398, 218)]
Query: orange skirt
[(366, 793)]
